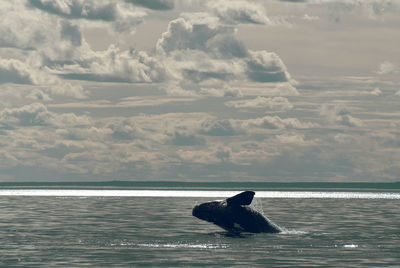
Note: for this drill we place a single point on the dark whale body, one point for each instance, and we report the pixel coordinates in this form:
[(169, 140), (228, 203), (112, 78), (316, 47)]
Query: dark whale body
[(234, 215)]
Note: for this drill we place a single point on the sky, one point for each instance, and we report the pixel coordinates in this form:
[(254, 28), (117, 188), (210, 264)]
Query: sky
[(190, 90)]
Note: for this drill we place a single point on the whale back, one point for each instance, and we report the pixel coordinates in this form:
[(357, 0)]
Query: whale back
[(234, 215)]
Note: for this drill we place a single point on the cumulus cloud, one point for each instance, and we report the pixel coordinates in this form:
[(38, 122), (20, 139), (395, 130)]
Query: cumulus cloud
[(266, 66), (199, 54), (15, 71), (123, 16), (310, 17), (185, 138), (113, 65), (216, 127), (213, 156), (340, 115), (35, 114), (388, 67), (275, 122), (275, 103), (297, 139), (375, 92), (199, 49), (233, 12), (154, 4)]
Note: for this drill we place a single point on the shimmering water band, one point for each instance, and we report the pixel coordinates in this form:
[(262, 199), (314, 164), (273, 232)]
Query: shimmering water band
[(192, 193)]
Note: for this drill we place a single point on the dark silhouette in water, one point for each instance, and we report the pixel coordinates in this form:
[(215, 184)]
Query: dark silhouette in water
[(234, 215)]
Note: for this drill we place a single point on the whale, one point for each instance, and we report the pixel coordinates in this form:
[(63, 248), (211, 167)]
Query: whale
[(235, 216)]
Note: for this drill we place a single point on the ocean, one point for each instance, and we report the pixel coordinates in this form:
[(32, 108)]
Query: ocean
[(75, 227)]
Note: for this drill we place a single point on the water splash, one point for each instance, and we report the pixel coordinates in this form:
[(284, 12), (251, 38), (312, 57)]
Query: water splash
[(350, 246), (183, 245), (286, 231)]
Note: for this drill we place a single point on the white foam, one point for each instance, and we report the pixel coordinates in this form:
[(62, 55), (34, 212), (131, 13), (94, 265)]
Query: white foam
[(200, 246), (350, 246), (292, 231), (195, 193)]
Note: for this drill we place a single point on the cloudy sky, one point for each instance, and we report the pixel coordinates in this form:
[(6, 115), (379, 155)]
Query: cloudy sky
[(200, 90)]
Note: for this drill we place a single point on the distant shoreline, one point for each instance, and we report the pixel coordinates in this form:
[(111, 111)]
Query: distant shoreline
[(208, 185)]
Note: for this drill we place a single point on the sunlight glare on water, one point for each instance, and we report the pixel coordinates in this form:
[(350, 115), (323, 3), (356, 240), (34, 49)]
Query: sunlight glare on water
[(197, 193)]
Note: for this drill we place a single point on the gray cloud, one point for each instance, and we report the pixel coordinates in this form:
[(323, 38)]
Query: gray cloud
[(198, 48), (154, 4), (275, 122), (213, 127), (71, 33), (340, 115), (14, 71), (239, 12), (265, 66), (35, 114), (275, 103), (388, 67), (76, 9), (121, 15), (184, 138)]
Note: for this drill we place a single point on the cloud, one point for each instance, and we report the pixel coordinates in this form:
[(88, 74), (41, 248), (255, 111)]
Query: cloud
[(209, 157), (71, 33), (216, 127), (199, 50), (154, 4), (375, 92), (340, 115), (122, 15), (15, 71), (275, 122), (39, 95), (184, 138), (275, 103), (113, 65), (388, 67), (297, 139), (35, 114), (266, 66), (198, 55), (234, 12), (310, 18)]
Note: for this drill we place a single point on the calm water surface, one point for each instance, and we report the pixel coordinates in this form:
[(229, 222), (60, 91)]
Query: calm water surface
[(132, 231)]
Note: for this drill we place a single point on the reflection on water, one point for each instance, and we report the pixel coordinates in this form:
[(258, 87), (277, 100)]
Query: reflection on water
[(147, 231), (191, 193)]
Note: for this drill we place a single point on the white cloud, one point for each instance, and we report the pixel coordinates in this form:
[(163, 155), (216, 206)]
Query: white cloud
[(310, 17), (113, 65), (275, 122), (217, 127), (340, 115), (263, 66), (122, 15), (15, 71), (154, 4), (233, 12), (297, 139), (35, 114), (375, 92), (388, 67), (199, 50), (275, 103)]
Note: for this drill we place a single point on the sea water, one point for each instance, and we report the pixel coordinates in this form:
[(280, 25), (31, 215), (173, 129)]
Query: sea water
[(131, 228)]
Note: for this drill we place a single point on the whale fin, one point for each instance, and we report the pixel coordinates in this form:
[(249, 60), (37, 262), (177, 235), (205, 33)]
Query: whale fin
[(242, 199)]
